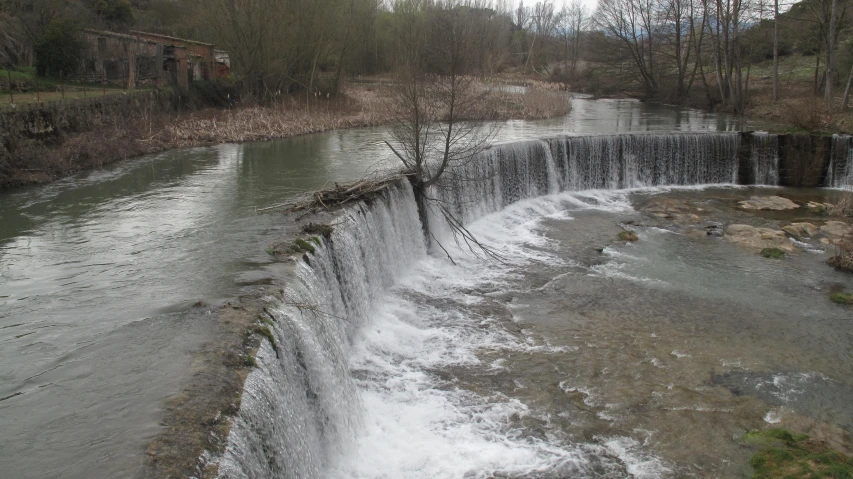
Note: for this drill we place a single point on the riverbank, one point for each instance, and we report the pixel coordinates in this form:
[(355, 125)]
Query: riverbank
[(25, 161)]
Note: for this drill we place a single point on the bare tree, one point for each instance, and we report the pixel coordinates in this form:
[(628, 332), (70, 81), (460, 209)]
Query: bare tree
[(12, 41), (775, 50), (831, 41), (434, 96), (570, 25), (280, 45), (725, 31), (635, 24)]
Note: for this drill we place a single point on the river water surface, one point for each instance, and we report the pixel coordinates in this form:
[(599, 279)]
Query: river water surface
[(107, 280), (582, 356)]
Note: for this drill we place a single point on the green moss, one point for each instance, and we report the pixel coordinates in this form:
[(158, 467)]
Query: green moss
[(628, 236), (317, 230), (841, 298), (774, 434), (774, 253), (265, 332), (249, 361), (316, 240), (300, 246), (784, 454)]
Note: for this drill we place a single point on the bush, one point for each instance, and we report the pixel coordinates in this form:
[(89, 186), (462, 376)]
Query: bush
[(213, 93), (844, 206), (843, 258), (59, 50), (808, 113)]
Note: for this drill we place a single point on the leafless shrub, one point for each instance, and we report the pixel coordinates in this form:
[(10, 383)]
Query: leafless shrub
[(843, 207), (843, 258), (808, 113)]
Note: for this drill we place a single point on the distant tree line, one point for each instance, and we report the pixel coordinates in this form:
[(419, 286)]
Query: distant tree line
[(673, 45), (664, 49)]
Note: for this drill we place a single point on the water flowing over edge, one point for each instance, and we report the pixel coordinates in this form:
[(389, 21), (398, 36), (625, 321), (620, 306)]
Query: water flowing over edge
[(301, 406)]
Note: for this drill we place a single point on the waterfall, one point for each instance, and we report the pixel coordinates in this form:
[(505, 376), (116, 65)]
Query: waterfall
[(507, 173), (300, 406), (840, 171), (764, 159)]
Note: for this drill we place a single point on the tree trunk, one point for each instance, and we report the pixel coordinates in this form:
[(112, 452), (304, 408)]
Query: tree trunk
[(847, 91), (775, 50), (816, 73), (830, 54)]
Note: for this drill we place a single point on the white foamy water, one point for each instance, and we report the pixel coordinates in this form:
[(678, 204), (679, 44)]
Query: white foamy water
[(419, 424)]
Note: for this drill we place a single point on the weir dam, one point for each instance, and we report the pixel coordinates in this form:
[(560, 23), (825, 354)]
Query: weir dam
[(309, 406)]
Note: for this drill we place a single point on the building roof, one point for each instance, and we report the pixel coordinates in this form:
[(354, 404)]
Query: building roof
[(104, 33), (174, 39)]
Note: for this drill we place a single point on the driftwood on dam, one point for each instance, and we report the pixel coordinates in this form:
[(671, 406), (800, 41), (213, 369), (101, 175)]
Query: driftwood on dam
[(327, 199)]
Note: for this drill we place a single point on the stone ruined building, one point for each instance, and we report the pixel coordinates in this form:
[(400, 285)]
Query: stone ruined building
[(141, 58)]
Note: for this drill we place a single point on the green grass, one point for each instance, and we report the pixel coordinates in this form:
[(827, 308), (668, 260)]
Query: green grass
[(50, 89), (841, 298), (784, 455), (24, 74), (774, 253), (793, 67)]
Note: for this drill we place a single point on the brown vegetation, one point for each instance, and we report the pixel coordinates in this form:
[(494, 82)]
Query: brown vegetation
[(338, 196), (121, 136), (843, 258)]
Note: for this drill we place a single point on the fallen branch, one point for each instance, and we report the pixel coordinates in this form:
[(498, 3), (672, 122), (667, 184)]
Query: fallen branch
[(340, 195)]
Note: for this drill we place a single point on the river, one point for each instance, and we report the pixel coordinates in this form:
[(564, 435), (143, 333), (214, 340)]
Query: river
[(108, 278)]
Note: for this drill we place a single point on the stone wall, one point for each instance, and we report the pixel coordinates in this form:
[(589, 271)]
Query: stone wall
[(804, 159)]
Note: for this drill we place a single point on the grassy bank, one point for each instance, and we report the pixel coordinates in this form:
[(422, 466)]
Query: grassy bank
[(31, 161), (28, 88)]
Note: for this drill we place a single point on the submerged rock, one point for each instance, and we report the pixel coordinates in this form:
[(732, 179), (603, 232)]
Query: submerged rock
[(628, 236), (678, 211), (758, 238), (819, 208), (774, 253), (775, 203), (801, 230)]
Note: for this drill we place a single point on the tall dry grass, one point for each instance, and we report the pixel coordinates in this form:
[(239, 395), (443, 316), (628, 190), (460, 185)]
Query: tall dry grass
[(843, 258), (843, 206)]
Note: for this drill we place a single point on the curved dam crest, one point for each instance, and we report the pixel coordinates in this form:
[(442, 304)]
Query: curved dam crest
[(301, 406)]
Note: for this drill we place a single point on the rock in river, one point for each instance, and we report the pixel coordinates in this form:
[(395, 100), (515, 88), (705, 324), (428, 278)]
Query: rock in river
[(836, 229), (801, 230), (775, 203), (758, 238)]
